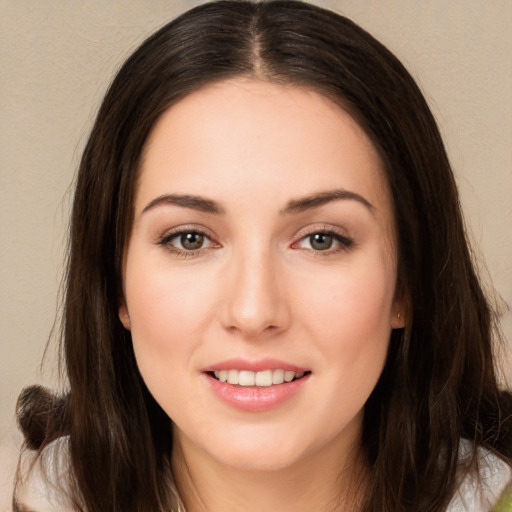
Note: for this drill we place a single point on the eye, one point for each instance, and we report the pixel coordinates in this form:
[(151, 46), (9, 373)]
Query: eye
[(325, 241), (321, 241), (191, 241), (186, 243)]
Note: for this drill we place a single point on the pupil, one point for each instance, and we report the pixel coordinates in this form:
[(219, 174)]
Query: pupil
[(321, 241), (192, 241)]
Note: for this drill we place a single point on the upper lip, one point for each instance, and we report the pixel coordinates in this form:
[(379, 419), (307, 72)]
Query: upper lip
[(254, 365)]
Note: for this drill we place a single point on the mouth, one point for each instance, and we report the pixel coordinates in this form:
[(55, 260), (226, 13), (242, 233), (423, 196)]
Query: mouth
[(264, 379), (256, 386)]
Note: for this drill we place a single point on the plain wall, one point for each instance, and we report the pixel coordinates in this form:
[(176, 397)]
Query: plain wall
[(57, 58)]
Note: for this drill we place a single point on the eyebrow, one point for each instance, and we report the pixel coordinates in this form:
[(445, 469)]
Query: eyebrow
[(186, 201), (294, 206), (320, 198)]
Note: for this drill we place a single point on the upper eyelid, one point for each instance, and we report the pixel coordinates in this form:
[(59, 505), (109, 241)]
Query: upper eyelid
[(337, 236), (177, 234), (165, 239), (173, 232), (321, 228), (341, 236)]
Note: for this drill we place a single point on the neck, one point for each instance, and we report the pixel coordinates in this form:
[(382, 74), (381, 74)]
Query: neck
[(318, 482)]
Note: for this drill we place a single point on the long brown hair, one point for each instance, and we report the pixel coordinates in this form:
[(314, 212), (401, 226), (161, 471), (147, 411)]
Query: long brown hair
[(439, 383)]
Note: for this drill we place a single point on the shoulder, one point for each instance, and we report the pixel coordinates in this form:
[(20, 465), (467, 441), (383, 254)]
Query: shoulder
[(44, 480), (480, 490)]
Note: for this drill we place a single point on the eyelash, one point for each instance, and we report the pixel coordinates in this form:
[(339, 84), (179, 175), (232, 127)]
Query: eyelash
[(165, 241), (345, 243)]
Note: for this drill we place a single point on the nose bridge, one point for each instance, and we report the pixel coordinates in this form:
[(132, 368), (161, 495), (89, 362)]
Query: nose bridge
[(254, 302)]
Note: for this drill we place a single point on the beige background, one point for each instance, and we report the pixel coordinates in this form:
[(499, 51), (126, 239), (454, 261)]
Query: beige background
[(56, 60)]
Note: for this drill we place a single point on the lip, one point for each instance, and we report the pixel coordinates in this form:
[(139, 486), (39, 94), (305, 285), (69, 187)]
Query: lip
[(254, 366), (254, 398)]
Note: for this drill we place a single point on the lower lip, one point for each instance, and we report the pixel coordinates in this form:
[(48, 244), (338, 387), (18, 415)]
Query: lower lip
[(253, 398)]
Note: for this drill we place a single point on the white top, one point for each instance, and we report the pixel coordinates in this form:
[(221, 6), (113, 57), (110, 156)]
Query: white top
[(476, 493), (479, 493)]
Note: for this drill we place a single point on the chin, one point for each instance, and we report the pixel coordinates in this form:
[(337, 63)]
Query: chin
[(259, 459), (256, 448)]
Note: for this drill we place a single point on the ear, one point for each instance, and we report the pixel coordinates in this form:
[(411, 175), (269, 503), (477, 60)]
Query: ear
[(398, 314), (123, 314)]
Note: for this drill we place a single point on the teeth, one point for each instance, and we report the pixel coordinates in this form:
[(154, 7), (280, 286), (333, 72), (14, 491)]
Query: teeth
[(264, 378), (246, 378), (233, 376), (277, 376), (288, 376)]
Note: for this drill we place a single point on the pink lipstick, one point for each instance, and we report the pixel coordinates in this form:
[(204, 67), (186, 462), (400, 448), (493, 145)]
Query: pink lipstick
[(255, 386)]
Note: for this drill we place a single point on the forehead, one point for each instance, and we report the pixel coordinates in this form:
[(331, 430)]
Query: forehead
[(256, 137)]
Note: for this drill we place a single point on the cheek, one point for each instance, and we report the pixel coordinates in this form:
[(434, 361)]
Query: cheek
[(349, 317), (357, 300), (167, 312)]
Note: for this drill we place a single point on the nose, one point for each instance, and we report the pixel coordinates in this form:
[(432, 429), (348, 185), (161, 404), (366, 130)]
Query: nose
[(254, 302)]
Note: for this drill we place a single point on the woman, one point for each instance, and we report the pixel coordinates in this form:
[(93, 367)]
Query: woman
[(270, 299)]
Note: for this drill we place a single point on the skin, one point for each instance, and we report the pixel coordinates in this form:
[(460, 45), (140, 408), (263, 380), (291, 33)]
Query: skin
[(259, 287)]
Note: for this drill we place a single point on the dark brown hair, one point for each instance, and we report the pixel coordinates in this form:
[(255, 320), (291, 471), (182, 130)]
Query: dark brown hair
[(439, 382)]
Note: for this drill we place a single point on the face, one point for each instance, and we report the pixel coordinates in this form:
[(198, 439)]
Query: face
[(260, 273)]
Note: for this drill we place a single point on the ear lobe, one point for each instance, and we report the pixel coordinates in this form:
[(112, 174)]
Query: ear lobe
[(401, 306), (399, 314), (397, 320), (124, 316)]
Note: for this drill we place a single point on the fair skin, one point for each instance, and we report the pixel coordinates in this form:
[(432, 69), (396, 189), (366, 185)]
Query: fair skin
[(263, 241)]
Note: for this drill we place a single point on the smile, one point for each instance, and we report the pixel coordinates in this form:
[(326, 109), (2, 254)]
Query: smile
[(264, 378), (262, 388)]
